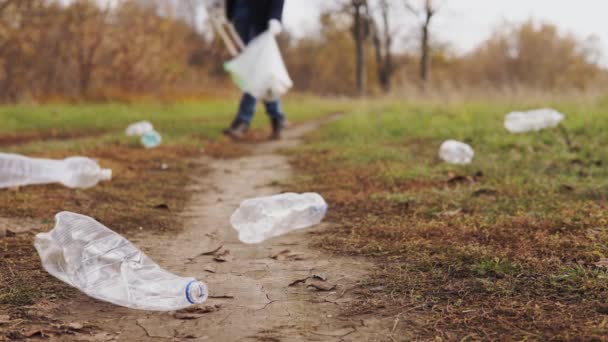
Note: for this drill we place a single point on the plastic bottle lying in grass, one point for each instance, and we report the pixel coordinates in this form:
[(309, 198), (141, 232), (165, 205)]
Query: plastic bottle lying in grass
[(456, 152), (534, 120), (139, 128), (149, 137), (74, 172), (259, 219), (85, 254)]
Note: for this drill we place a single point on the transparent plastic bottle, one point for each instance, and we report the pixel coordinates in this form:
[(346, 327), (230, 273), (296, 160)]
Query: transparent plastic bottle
[(456, 152), (259, 219), (104, 265), (534, 120), (139, 128), (73, 172)]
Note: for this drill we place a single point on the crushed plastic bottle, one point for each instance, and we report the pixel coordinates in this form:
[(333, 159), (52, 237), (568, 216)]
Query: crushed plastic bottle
[(534, 120), (259, 219), (104, 265), (73, 172), (151, 139), (456, 152), (139, 128)]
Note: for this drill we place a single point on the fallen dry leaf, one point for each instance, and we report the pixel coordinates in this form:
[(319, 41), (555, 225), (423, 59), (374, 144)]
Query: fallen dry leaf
[(297, 281), (212, 252), (286, 255), (223, 256), (319, 284), (602, 263), (222, 297), (320, 276), (5, 319), (75, 326), (210, 269), (162, 206), (196, 312), (485, 192)]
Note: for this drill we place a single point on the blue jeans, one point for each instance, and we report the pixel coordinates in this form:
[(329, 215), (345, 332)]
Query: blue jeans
[(248, 103), (247, 109)]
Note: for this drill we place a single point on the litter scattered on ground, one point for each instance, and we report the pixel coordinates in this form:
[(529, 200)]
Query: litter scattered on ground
[(104, 265), (456, 152), (74, 172), (260, 70), (534, 120), (149, 137), (259, 219)]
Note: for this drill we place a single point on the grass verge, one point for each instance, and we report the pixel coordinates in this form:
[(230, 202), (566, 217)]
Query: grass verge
[(507, 248)]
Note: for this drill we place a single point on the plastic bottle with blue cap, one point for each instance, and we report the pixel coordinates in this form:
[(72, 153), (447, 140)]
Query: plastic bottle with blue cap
[(104, 265)]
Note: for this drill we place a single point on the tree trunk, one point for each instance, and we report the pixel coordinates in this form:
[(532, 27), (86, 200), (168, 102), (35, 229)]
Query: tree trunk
[(424, 53), (360, 48)]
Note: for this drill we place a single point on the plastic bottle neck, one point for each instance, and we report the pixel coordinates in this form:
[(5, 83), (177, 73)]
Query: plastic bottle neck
[(105, 174)]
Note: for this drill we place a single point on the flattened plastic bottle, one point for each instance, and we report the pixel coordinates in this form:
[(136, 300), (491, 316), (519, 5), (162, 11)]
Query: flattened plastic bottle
[(104, 265)]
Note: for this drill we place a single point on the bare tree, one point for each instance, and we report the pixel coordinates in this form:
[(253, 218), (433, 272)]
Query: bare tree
[(359, 8), (382, 36), (425, 15)]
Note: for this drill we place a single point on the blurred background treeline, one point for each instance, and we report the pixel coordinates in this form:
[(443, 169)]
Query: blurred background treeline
[(124, 50)]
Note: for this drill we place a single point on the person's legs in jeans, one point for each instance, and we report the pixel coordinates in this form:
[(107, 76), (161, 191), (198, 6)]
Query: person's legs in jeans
[(246, 108), (277, 118), (247, 105)]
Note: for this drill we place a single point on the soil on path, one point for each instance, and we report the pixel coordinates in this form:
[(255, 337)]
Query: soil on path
[(252, 295)]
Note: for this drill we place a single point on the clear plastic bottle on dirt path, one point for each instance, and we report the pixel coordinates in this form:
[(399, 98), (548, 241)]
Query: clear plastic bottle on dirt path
[(101, 263), (534, 120), (456, 152), (74, 172), (259, 219)]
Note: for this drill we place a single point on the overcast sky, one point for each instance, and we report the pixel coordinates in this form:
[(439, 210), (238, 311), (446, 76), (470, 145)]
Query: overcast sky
[(465, 23)]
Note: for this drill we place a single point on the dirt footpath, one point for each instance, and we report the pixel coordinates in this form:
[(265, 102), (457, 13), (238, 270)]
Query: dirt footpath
[(280, 290)]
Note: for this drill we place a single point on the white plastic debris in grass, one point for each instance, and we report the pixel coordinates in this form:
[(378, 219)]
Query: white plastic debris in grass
[(532, 121), (74, 172), (456, 152), (149, 137), (89, 256), (259, 219)]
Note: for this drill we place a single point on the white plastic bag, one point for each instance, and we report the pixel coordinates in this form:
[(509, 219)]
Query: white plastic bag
[(260, 70), (259, 219), (534, 120), (456, 152), (87, 255)]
